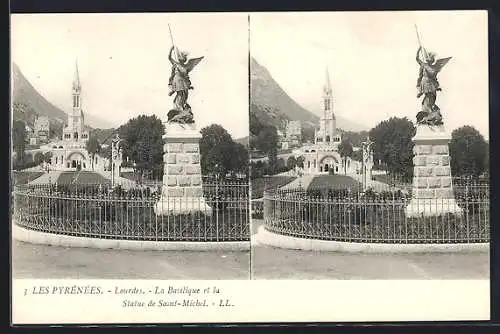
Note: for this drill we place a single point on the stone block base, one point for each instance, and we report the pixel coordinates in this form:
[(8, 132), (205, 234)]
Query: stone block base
[(427, 207), (182, 191), (181, 205), (432, 182)]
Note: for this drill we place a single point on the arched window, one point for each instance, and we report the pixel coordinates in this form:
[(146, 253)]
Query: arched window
[(327, 139), (75, 135)]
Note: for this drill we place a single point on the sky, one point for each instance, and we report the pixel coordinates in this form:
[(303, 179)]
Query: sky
[(371, 61), (123, 63)]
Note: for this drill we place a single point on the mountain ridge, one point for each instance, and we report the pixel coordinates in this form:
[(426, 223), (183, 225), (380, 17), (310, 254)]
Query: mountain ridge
[(26, 95), (272, 105)]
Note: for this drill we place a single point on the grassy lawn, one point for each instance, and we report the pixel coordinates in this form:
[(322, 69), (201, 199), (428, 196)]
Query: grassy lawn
[(24, 176), (388, 179), (334, 182), (129, 175), (83, 177), (259, 184)]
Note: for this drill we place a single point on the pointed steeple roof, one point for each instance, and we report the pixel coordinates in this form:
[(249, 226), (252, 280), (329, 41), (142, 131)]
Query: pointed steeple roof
[(76, 79), (328, 87)]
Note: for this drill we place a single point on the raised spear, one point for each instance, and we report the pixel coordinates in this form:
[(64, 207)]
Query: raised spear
[(175, 47), (420, 43)]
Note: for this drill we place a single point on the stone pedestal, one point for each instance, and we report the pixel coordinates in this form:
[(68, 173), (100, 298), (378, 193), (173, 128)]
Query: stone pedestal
[(432, 183), (182, 190)]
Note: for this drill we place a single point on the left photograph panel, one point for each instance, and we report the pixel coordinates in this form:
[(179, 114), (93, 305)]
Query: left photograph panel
[(130, 146)]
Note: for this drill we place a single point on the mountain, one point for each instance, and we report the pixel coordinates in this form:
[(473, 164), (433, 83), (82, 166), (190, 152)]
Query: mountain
[(28, 104), (270, 104)]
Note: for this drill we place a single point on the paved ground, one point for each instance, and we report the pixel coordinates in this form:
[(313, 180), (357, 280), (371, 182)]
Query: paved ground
[(276, 263), (40, 261)]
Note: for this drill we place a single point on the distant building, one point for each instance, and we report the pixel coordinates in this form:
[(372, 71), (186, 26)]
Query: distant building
[(294, 133), (42, 129), (71, 153), (290, 136), (323, 156)]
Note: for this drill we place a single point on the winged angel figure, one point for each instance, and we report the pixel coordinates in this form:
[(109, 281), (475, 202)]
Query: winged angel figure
[(180, 84), (428, 86)]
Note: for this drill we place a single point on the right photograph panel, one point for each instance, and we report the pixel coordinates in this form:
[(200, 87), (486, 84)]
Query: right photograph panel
[(369, 145)]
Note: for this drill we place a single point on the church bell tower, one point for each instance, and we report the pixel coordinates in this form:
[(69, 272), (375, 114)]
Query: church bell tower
[(327, 131), (74, 130)]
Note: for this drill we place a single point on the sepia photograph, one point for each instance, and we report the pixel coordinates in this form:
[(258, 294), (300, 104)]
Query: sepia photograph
[(130, 146), (249, 167), (369, 145)]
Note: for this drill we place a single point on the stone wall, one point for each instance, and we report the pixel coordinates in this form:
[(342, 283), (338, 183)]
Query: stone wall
[(432, 173), (182, 173)]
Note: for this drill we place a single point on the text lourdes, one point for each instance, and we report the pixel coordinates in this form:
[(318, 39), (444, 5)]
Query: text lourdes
[(128, 291)]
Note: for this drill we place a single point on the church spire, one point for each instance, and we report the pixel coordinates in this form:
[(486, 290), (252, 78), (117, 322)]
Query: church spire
[(77, 90), (76, 79), (328, 87)]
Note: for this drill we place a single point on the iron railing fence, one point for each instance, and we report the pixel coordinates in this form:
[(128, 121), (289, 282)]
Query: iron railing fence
[(375, 217), (102, 211), (460, 185), (406, 182)]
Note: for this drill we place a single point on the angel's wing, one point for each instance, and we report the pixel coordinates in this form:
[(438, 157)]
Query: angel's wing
[(192, 63), (441, 62)]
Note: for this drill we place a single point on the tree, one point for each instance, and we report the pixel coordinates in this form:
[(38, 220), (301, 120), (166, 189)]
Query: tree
[(468, 151), (215, 150), (355, 138), (47, 157), (345, 151), (239, 159), (38, 158), (220, 154), (143, 143), (19, 140), (291, 162), (300, 161), (267, 139), (357, 155), (487, 159), (393, 145), (307, 134), (93, 146)]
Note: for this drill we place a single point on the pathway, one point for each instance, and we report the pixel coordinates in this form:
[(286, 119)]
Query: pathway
[(375, 185), (277, 263), (124, 182), (32, 261), (300, 182), (50, 177)]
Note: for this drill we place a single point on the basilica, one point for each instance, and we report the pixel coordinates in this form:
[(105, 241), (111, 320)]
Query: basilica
[(70, 153), (323, 156)]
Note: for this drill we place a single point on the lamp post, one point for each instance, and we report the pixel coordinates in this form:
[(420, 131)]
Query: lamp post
[(114, 156), (217, 199), (366, 154)]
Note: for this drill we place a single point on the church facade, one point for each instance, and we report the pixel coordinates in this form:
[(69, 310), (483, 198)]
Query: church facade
[(70, 153), (323, 156)]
